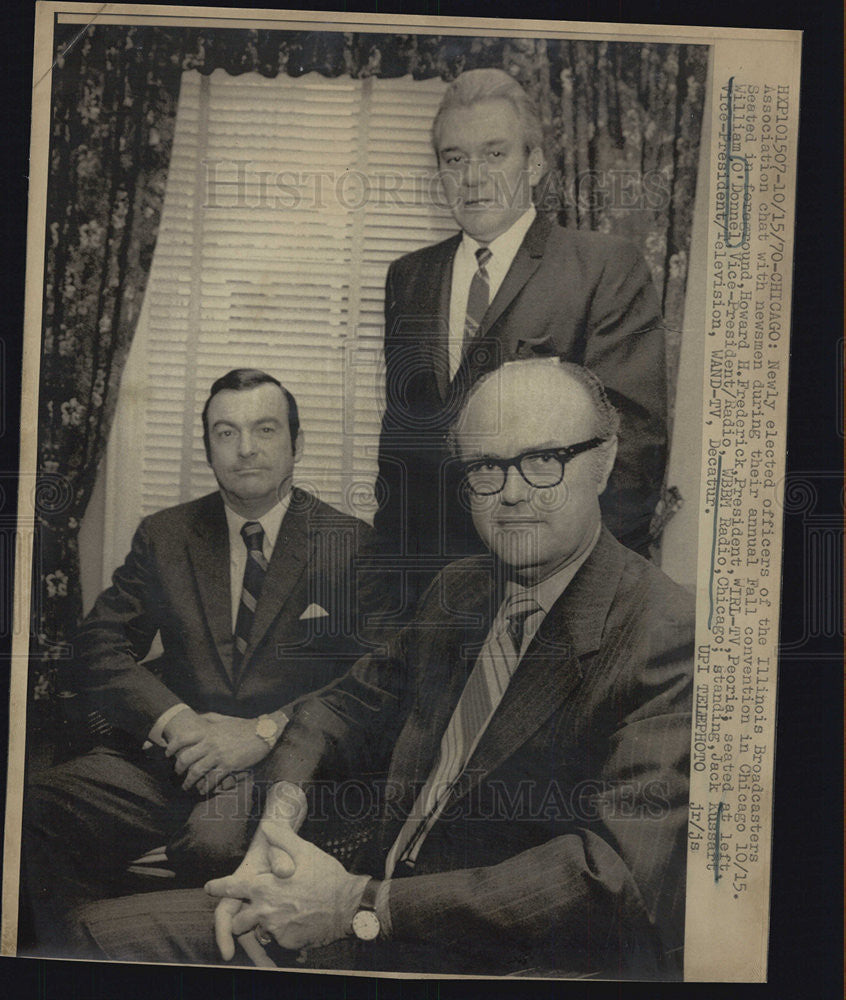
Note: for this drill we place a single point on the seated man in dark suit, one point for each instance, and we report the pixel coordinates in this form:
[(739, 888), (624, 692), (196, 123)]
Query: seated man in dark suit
[(512, 284), (526, 739), (257, 592)]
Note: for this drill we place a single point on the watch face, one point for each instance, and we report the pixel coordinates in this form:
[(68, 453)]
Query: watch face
[(266, 728), (366, 925)]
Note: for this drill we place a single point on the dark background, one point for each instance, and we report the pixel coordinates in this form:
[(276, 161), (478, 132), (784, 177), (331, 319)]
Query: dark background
[(805, 952)]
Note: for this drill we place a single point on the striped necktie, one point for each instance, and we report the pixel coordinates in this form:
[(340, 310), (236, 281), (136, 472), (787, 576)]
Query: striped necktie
[(253, 535), (478, 299), (485, 687)]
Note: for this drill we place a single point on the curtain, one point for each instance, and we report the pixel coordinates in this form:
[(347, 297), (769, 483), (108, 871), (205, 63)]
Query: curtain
[(625, 120), (622, 123), (113, 113)]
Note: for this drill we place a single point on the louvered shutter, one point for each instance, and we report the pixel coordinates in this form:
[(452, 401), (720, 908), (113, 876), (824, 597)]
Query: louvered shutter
[(286, 201)]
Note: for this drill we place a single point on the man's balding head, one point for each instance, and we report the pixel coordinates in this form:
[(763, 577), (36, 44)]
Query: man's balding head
[(540, 406)]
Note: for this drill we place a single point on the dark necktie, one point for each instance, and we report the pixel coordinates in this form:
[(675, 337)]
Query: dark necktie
[(478, 299), (485, 687), (253, 535)]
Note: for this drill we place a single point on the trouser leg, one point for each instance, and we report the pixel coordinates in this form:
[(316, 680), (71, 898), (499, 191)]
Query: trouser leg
[(174, 927), (178, 927), (85, 820), (215, 836)]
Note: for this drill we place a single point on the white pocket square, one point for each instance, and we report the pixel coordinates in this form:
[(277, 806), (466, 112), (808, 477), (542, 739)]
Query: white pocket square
[(314, 611)]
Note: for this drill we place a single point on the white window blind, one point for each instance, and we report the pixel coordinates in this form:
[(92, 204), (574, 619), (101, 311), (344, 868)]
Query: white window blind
[(286, 201)]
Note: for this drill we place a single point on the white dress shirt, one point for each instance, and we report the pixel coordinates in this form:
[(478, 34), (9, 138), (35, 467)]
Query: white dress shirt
[(271, 522), (503, 251), (546, 593)]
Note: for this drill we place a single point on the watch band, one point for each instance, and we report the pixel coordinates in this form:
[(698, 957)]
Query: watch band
[(368, 897), (366, 925)]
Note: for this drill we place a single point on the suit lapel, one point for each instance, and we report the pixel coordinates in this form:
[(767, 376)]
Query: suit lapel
[(438, 345), (438, 689), (208, 551), (526, 262), (290, 557), (546, 676), (551, 667)]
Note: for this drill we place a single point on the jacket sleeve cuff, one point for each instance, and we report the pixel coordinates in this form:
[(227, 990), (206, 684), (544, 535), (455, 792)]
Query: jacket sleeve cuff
[(156, 733), (383, 908)]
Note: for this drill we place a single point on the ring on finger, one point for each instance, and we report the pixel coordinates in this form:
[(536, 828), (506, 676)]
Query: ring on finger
[(262, 936)]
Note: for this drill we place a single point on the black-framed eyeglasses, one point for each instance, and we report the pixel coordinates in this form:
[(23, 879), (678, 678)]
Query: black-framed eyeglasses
[(540, 469)]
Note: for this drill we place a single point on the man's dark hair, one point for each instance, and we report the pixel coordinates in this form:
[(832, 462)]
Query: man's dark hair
[(249, 378)]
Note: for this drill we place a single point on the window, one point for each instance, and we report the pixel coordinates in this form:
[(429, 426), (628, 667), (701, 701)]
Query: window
[(286, 201)]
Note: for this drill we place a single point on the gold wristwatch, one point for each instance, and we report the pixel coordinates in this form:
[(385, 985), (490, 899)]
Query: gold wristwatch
[(267, 730)]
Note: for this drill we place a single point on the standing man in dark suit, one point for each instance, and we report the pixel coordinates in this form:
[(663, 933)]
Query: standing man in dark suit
[(255, 593), (527, 737), (512, 284)]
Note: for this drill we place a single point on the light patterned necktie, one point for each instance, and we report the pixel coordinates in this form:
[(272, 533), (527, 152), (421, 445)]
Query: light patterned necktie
[(485, 687), (478, 298), (253, 535)]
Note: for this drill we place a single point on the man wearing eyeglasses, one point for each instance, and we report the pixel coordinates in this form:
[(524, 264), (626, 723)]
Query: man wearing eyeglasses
[(527, 736)]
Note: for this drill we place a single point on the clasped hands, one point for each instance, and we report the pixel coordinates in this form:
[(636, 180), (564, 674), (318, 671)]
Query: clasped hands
[(210, 749), (288, 887)]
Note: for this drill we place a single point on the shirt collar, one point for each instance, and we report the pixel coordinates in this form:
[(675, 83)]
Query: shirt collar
[(506, 245), (547, 592), (271, 522)]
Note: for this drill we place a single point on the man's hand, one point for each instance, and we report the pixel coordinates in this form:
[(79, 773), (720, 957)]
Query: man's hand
[(207, 748), (311, 906), (262, 858), (286, 805)]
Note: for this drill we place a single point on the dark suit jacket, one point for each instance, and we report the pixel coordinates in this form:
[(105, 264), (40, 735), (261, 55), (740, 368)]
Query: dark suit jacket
[(581, 295), (176, 581), (563, 845)]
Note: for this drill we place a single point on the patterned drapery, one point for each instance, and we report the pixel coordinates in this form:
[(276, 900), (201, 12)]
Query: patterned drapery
[(622, 123), (626, 119), (113, 114)]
